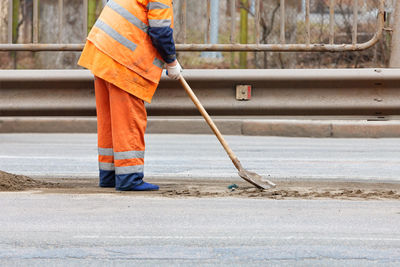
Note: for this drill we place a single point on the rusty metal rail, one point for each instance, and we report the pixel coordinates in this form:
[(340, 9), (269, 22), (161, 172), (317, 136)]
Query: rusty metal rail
[(233, 46), (312, 92)]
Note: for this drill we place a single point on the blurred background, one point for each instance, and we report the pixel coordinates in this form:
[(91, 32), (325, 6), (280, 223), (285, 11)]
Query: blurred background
[(65, 22)]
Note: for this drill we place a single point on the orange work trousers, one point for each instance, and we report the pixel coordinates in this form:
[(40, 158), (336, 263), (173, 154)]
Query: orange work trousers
[(121, 124)]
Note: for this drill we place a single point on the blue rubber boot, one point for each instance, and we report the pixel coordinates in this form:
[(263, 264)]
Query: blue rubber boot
[(145, 187), (133, 182), (126, 182)]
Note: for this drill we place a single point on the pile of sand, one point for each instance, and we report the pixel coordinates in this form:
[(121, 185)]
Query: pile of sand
[(12, 182)]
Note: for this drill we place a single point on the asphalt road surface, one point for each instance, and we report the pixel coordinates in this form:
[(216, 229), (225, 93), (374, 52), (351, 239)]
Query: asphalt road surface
[(201, 156), (104, 230), (40, 228)]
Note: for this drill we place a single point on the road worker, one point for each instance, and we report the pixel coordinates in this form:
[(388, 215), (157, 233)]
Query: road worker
[(126, 50)]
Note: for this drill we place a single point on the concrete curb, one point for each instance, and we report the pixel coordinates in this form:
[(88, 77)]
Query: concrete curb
[(196, 125), (48, 124), (322, 128)]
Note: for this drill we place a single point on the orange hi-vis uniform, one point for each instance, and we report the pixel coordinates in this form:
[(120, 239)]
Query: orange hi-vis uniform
[(127, 69)]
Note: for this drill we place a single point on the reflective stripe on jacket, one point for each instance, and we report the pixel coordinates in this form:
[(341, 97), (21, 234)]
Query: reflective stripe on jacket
[(121, 32)]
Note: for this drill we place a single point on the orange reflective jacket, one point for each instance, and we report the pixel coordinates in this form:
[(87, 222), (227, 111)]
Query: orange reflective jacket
[(113, 72), (121, 33)]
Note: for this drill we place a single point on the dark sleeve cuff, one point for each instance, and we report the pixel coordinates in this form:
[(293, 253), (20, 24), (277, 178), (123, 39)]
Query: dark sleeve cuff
[(170, 58)]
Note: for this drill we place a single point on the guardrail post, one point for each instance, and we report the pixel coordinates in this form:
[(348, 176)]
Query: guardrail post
[(243, 31), (15, 18), (35, 22), (91, 14), (233, 29), (60, 20), (395, 53), (213, 31), (15, 27), (9, 22)]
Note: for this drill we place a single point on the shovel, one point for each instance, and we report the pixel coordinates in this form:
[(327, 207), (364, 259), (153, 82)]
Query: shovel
[(251, 177)]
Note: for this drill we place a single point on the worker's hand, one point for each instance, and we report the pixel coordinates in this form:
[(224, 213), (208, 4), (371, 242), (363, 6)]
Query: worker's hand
[(174, 70)]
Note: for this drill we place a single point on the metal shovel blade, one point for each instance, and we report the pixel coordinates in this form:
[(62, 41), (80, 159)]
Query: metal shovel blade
[(256, 179)]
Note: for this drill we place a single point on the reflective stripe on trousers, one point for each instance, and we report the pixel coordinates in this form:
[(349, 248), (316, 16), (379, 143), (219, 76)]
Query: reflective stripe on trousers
[(125, 155)]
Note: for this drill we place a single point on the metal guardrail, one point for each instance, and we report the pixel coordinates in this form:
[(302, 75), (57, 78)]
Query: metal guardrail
[(309, 92), (281, 47)]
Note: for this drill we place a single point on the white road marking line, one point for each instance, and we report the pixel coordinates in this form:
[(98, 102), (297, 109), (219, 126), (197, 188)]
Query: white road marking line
[(235, 237), (33, 157)]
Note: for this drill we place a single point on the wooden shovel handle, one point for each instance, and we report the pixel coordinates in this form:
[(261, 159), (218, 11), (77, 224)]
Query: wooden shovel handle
[(210, 122)]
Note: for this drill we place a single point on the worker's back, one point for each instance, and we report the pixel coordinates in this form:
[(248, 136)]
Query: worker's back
[(121, 32)]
